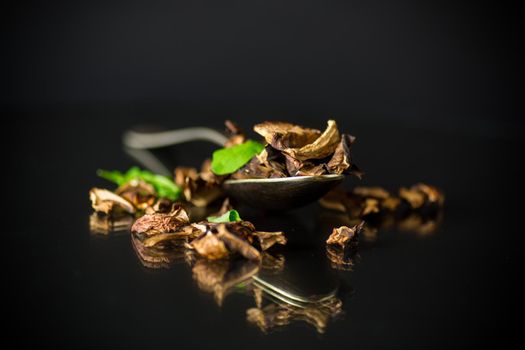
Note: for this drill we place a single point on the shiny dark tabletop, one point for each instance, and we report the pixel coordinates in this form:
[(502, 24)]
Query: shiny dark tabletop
[(448, 286)]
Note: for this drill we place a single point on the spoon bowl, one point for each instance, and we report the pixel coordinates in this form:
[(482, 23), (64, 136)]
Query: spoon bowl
[(281, 193)]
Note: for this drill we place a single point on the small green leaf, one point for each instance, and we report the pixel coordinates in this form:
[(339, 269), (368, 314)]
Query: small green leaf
[(230, 216), (228, 160), (164, 186), (113, 176)]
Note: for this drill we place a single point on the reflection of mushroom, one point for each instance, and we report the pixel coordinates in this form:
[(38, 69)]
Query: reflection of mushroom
[(277, 315), (104, 224), (221, 276), (157, 258), (340, 258)]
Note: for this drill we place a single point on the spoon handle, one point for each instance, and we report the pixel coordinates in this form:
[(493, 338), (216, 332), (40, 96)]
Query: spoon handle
[(140, 140)]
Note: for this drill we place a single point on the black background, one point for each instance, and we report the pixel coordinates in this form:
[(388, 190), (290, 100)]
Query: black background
[(432, 90)]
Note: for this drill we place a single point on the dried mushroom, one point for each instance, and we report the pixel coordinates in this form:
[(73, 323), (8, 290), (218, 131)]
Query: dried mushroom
[(268, 239), (200, 189), (236, 135), (210, 247), (341, 160), (322, 147), (139, 193), (345, 236), (282, 135), (236, 244), (151, 224), (109, 203)]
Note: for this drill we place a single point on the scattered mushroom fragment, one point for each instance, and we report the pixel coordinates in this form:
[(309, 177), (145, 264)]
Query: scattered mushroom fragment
[(421, 194), (151, 224), (236, 244), (210, 247), (236, 134), (109, 203), (345, 236), (200, 189), (268, 239), (138, 193)]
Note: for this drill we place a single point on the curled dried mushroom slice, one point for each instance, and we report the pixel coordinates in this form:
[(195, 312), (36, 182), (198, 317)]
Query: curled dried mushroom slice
[(322, 147), (281, 135), (177, 238), (341, 160), (345, 236), (236, 244), (109, 203)]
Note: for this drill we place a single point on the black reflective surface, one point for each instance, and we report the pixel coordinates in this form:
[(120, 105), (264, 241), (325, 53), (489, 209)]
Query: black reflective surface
[(445, 286)]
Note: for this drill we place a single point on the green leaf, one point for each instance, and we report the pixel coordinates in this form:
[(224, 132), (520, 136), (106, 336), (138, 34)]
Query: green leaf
[(164, 186), (113, 176), (229, 216), (228, 160)]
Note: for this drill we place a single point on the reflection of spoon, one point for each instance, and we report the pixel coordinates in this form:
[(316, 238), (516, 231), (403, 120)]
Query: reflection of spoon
[(305, 279), (273, 194)]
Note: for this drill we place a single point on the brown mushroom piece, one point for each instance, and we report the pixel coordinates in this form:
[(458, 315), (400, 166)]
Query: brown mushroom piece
[(138, 193), (322, 147), (281, 135), (210, 247), (109, 203), (268, 239), (198, 190), (345, 236), (236, 135), (341, 160), (156, 223), (236, 244)]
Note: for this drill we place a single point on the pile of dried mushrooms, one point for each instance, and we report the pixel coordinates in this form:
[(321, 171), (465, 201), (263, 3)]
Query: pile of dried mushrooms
[(293, 150)]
